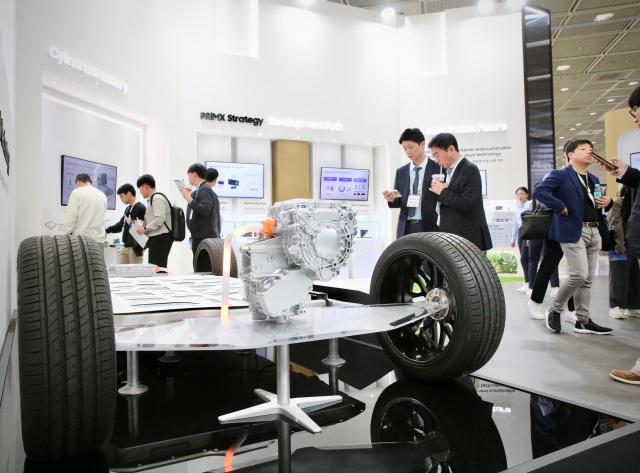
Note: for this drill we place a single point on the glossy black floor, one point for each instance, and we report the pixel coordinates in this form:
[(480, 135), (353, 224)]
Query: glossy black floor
[(384, 424)]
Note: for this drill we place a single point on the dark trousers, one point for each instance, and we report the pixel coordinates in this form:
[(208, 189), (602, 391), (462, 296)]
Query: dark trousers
[(524, 258), (412, 228), (548, 270), (159, 248), (535, 249), (624, 284), (194, 244)]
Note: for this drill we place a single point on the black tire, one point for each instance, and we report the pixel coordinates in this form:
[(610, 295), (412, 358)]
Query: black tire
[(66, 347), (449, 416), (470, 334), (209, 256)]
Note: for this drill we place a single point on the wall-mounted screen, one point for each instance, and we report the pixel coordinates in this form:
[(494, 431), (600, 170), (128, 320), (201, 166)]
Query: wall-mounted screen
[(344, 184), (238, 179), (103, 177), (634, 160)]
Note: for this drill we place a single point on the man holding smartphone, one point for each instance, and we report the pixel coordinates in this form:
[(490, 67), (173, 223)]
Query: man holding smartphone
[(410, 189), (630, 177), (579, 226)]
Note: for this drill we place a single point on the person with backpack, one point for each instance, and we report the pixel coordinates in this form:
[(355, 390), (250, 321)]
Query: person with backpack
[(200, 208), (157, 221)]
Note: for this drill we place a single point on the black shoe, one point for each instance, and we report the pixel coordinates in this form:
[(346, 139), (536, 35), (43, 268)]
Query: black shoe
[(592, 328), (553, 321)]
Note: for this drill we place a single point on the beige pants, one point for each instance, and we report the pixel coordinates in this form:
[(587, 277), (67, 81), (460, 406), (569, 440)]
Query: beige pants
[(127, 256)]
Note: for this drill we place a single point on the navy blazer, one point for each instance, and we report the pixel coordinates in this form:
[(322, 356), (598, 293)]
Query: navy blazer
[(427, 203), (562, 189)]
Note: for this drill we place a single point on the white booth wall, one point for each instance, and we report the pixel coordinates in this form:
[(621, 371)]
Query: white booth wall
[(324, 63)]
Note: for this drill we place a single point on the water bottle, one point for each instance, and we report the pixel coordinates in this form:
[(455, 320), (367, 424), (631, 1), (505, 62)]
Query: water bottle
[(597, 192)]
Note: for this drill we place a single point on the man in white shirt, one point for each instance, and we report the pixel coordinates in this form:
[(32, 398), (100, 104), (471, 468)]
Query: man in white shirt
[(86, 210)]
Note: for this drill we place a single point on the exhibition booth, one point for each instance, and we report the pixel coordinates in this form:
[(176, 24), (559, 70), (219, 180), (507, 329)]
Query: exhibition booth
[(286, 99)]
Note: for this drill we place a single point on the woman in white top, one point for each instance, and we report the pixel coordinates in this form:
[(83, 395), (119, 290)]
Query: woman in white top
[(522, 203)]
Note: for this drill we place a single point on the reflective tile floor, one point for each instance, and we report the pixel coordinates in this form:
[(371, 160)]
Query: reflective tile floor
[(386, 423)]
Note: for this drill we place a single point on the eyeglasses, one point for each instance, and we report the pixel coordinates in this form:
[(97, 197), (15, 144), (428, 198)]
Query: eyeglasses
[(632, 111)]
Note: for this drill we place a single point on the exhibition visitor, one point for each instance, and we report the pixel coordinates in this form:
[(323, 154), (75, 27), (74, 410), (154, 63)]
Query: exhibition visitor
[(522, 203), (417, 206), (459, 193), (216, 220), (130, 252), (631, 177), (624, 273), (577, 223), (157, 221), (85, 214), (547, 273), (200, 206)]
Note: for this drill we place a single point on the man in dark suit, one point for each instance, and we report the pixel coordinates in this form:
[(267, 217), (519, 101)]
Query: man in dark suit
[(200, 208), (212, 180), (460, 193), (409, 194), (579, 226)]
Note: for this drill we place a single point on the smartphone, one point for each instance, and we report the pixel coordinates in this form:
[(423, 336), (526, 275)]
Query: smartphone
[(607, 163), (180, 184)]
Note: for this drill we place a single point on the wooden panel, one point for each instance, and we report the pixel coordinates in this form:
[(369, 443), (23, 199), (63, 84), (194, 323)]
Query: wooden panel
[(291, 170)]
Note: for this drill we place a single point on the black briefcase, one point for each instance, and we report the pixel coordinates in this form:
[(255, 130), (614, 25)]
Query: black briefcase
[(535, 224)]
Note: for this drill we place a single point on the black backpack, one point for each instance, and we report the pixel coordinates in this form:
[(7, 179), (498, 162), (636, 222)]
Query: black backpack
[(177, 219)]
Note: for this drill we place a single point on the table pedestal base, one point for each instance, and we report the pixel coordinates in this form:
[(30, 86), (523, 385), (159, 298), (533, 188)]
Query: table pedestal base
[(280, 403)]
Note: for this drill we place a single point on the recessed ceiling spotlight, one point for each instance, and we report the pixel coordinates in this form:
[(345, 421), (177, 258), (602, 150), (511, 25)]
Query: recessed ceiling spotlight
[(485, 6), (633, 82), (388, 13), (572, 129), (564, 67), (578, 124), (593, 113), (594, 142), (562, 137), (603, 16), (564, 89), (611, 100)]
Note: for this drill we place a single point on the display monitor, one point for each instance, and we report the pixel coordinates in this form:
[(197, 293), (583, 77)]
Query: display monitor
[(238, 179), (344, 184), (103, 177), (635, 160)]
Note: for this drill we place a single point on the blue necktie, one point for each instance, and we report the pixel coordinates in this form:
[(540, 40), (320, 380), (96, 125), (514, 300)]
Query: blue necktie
[(414, 191)]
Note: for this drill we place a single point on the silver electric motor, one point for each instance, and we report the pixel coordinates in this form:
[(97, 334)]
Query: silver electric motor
[(312, 240)]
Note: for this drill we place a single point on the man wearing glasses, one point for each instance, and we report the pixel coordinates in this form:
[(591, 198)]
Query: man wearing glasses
[(630, 177)]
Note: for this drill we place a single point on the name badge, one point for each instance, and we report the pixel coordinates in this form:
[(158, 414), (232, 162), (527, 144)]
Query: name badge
[(413, 201)]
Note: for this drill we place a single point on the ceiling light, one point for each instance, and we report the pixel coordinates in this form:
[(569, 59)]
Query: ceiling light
[(388, 13), (564, 89), (572, 129), (594, 142), (564, 67), (578, 124), (603, 16), (562, 137), (593, 113), (611, 100), (633, 82), (485, 6)]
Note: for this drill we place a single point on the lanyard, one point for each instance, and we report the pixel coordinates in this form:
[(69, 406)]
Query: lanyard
[(586, 187)]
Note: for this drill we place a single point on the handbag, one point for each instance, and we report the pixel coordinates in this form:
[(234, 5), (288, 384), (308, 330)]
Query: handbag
[(535, 224)]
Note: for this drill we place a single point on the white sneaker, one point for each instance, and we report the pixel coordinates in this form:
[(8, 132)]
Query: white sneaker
[(632, 313), (570, 317), (554, 292), (617, 313), (524, 288), (529, 292), (536, 310)]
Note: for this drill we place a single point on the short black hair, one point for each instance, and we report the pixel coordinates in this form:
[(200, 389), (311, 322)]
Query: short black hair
[(412, 134), (571, 146), (146, 179), (199, 169), (443, 141), (124, 188), (212, 175), (522, 188), (566, 146), (82, 177), (634, 98)]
